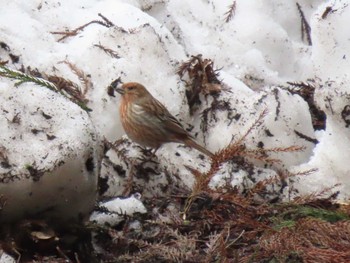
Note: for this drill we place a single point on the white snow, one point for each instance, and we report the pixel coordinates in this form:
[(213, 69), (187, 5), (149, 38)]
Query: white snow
[(116, 208), (50, 154), (330, 59), (258, 50), (5, 258)]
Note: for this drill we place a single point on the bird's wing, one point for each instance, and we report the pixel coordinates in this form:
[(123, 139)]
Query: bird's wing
[(165, 118)]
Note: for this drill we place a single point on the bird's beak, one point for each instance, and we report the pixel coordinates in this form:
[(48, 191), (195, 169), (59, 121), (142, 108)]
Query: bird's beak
[(120, 91)]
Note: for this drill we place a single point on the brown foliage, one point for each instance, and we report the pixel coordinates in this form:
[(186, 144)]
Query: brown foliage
[(240, 154), (312, 239), (70, 33), (201, 79), (108, 51), (73, 91), (305, 27), (231, 12), (306, 90)]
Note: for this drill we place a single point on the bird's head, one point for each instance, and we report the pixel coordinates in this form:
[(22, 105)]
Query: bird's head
[(133, 91)]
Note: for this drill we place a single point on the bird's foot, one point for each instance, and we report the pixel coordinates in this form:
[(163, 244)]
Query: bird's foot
[(148, 155)]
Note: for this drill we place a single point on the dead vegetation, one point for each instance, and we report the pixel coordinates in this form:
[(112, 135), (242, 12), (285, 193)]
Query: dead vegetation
[(219, 227), (305, 27), (70, 33), (13, 58), (104, 22), (230, 12), (306, 90), (200, 78), (229, 225), (108, 51), (73, 91), (202, 224)]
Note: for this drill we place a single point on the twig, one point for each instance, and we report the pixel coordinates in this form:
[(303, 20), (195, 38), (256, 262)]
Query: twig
[(305, 27), (109, 51), (62, 254), (106, 23), (82, 77), (231, 12), (305, 137), (22, 77)]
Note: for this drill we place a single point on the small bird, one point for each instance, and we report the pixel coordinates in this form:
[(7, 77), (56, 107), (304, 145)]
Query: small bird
[(147, 122)]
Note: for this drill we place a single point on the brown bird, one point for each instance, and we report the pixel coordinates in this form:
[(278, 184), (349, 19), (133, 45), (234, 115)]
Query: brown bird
[(147, 122)]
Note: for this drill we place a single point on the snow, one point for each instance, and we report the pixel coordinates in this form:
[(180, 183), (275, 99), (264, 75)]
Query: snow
[(258, 51), (5, 258), (331, 64), (116, 209), (47, 142)]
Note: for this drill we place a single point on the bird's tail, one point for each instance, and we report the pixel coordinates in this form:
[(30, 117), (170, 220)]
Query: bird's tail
[(193, 144)]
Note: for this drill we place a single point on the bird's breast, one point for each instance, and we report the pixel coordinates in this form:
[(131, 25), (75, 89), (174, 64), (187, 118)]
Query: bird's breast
[(132, 114), (137, 109)]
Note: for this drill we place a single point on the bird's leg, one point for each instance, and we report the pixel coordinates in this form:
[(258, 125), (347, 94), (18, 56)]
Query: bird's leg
[(145, 151), (154, 152), (148, 155), (129, 180)]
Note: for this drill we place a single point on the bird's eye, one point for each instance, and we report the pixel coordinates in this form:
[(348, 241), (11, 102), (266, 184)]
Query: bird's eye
[(131, 88)]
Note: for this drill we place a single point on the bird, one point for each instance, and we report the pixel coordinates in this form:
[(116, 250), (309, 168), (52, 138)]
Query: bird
[(147, 121)]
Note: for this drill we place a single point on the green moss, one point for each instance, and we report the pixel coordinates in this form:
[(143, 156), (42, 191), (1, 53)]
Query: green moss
[(293, 213), (297, 212), (326, 215), (279, 223)]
